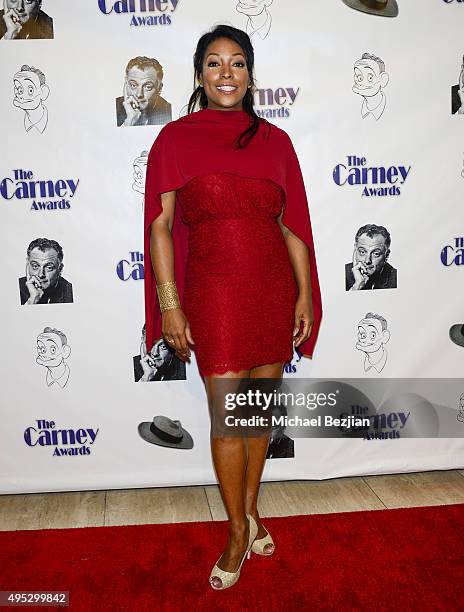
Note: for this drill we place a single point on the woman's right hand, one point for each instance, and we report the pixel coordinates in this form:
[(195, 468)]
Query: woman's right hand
[(176, 331)]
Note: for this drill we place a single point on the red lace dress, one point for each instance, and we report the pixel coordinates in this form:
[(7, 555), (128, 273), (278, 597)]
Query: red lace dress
[(240, 290)]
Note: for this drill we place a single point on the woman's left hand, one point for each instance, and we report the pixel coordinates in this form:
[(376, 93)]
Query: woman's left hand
[(303, 315)]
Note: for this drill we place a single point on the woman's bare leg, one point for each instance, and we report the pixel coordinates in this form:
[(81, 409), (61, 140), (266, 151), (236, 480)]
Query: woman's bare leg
[(257, 449), (230, 459)]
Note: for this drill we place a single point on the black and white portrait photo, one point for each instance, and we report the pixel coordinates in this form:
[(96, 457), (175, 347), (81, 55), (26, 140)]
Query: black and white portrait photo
[(43, 282), (460, 414), (369, 268), (141, 102), (30, 93), (24, 19), (457, 94), (161, 363)]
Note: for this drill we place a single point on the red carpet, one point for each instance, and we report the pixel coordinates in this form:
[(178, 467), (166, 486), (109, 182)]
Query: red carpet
[(400, 559)]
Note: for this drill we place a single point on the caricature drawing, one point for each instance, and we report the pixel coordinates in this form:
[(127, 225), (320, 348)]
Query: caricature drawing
[(372, 336), (259, 18), (30, 92), (53, 349), (370, 79), (140, 172)]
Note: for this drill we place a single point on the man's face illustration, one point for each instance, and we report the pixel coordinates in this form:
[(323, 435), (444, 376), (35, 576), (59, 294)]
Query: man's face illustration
[(28, 92), (370, 335), (45, 266), (144, 85), (253, 7), (367, 78), (50, 350), (24, 9), (372, 252), (140, 172)]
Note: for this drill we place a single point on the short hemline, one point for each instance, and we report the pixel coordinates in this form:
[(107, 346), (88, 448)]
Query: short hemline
[(220, 369)]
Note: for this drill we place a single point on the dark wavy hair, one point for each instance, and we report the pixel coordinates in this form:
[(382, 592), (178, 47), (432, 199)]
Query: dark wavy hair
[(372, 230), (199, 96), (142, 62), (43, 244)]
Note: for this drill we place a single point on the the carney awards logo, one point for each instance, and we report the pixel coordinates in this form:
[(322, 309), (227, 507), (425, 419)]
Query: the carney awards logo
[(141, 12), (46, 194), (131, 268), (453, 254), (270, 103), (375, 181), (63, 441)]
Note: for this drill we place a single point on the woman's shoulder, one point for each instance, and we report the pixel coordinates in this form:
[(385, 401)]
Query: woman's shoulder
[(178, 127), (170, 128), (167, 137), (277, 139), (276, 132)]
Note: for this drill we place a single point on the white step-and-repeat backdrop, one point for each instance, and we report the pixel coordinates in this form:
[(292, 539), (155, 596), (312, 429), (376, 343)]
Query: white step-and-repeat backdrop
[(375, 108)]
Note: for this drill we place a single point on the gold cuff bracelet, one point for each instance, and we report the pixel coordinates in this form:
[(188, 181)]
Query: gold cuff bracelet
[(167, 296)]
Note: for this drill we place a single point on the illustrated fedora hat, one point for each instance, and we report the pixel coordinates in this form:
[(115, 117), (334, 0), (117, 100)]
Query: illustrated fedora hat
[(456, 334), (165, 432), (384, 8)]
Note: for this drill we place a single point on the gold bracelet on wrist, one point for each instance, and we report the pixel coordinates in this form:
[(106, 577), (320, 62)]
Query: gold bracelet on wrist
[(167, 296)]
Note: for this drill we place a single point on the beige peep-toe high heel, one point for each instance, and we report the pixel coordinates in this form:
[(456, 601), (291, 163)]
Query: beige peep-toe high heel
[(259, 545), (228, 579)]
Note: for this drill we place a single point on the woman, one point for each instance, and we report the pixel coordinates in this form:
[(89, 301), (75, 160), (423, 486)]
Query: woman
[(233, 263)]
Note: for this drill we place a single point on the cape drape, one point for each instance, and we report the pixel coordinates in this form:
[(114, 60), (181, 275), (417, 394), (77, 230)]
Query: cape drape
[(203, 142)]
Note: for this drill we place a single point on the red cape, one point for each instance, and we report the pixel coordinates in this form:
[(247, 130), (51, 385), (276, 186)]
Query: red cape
[(203, 143)]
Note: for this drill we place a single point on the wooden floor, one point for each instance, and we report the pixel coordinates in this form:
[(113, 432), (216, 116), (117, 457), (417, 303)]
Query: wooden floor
[(183, 504)]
